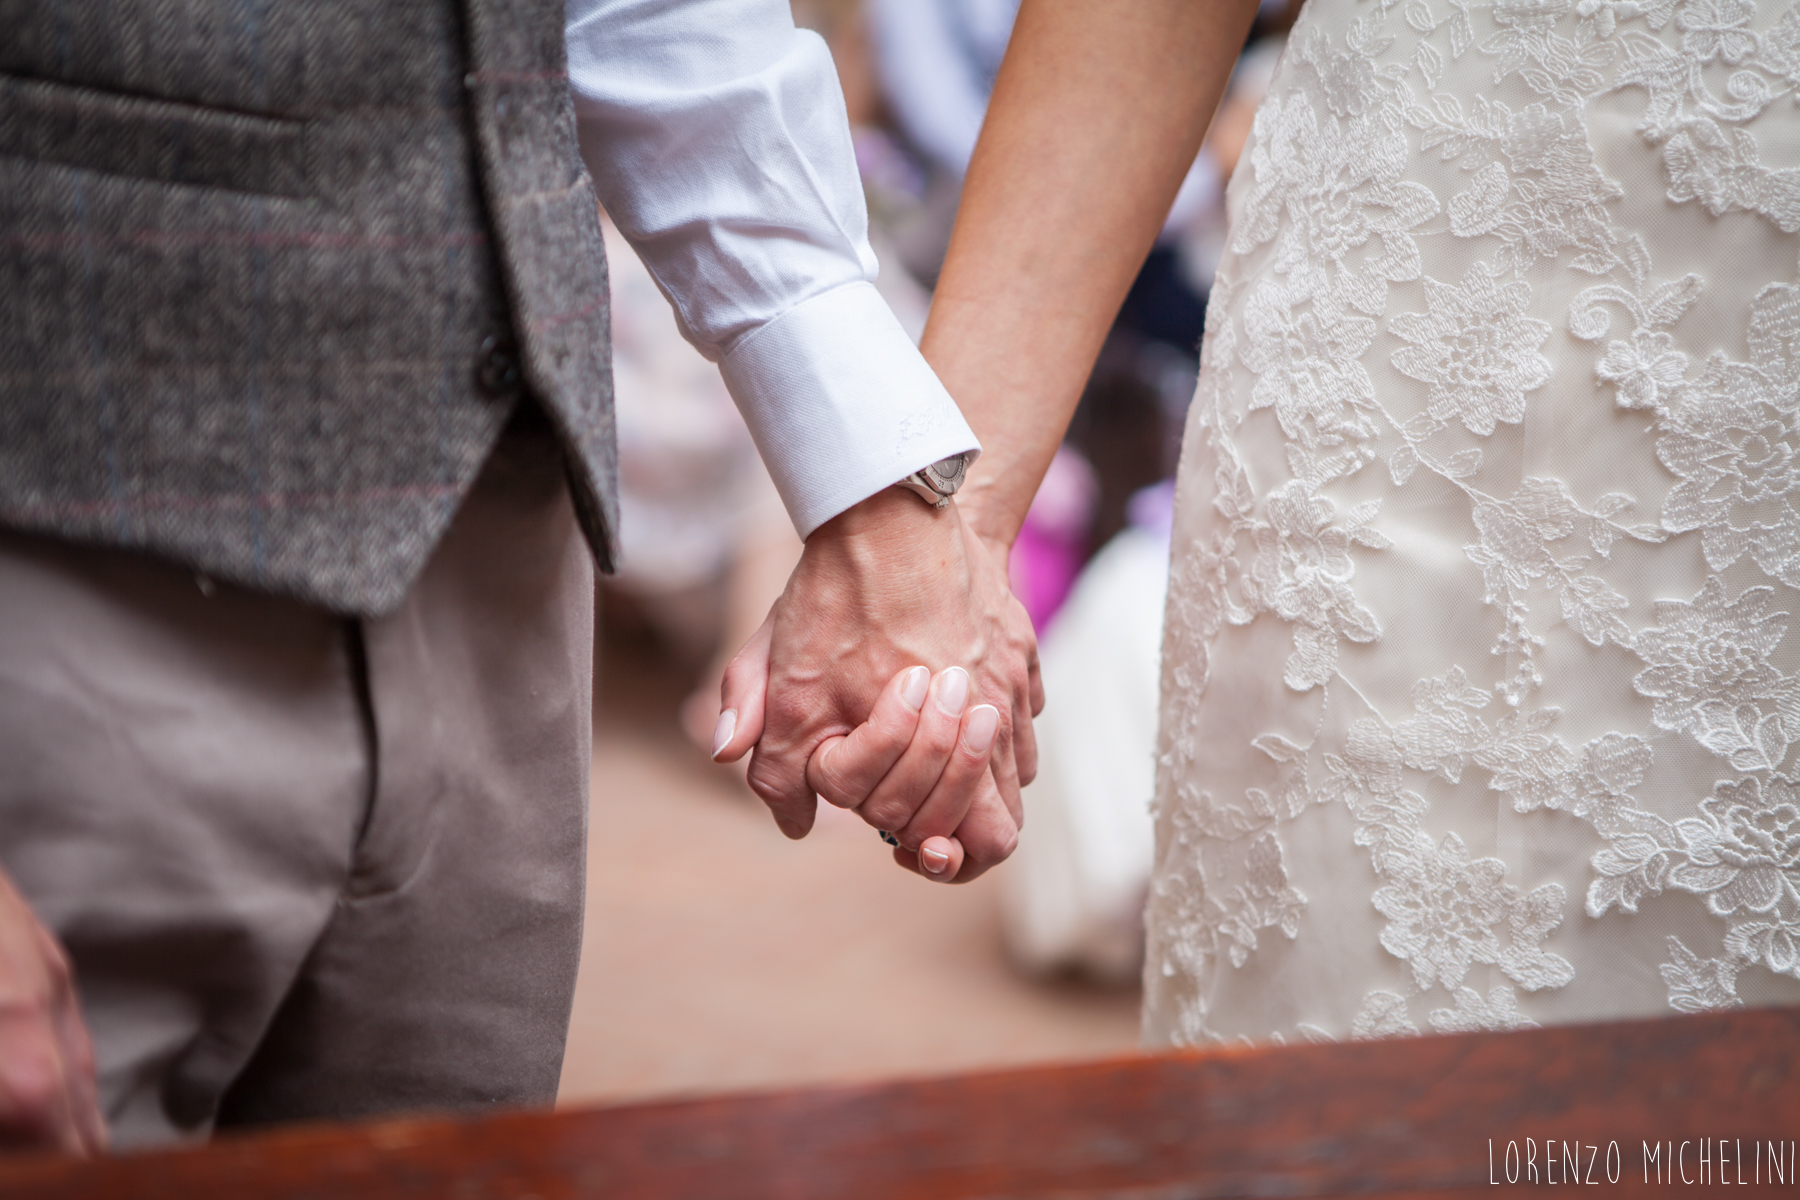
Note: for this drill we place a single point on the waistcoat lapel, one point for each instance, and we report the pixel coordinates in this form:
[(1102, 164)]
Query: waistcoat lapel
[(546, 219)]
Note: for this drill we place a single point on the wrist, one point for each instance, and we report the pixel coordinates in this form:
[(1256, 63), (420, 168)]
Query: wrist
[(882, 550), (890, 513), (988, 516)]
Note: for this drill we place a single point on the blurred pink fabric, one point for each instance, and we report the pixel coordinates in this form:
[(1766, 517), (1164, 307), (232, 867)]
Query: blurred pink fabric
[(1052, 545)]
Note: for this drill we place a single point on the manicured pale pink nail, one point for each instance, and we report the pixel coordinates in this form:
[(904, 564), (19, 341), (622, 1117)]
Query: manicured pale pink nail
[(953, 692), (723, 730), (914, 687), (979, 730), (933, 859)]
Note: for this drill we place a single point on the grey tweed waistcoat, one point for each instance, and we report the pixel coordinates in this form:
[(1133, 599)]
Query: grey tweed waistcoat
[(274, 274)]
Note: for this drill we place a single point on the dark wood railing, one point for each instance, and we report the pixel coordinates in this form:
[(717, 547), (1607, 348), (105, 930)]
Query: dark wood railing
[(1717, 1096)]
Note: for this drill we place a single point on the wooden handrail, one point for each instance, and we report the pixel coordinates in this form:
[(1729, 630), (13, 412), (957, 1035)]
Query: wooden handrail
[(1411, 1117)]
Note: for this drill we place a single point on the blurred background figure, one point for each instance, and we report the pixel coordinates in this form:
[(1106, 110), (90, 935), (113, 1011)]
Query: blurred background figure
[(936, 61), (694, 884), (694, 498), (1052, 544), (1073, 894)]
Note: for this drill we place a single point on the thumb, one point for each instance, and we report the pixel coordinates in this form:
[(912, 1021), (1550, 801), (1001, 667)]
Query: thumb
[(743, 696)]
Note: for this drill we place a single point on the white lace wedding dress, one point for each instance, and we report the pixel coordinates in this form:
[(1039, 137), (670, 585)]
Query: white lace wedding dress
[(1481, 684)]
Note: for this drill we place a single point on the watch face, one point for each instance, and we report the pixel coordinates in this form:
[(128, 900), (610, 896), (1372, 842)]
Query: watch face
[(948, 473)]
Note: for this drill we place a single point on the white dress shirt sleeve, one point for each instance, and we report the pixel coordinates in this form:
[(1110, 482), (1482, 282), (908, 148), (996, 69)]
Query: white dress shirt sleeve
[(717, 138)]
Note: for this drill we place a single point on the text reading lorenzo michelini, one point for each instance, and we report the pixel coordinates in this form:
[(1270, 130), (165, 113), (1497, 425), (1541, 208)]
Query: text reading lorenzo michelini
[(1706, 1161)]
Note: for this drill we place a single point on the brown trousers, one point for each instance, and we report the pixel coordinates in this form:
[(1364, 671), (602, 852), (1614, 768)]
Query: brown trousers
[(310, 866)]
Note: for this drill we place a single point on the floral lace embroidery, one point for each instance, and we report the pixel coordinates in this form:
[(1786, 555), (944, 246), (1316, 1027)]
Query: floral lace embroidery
[(1472, 1014), (1741, 854), (1301, 572), (1445, 911), (1383, 1014), (1476, 348), (1730, 430), (1699, 984), (1709, 670), (1336, 223)]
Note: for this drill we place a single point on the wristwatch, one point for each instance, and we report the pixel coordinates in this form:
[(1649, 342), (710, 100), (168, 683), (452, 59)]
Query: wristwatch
[(938, 482)]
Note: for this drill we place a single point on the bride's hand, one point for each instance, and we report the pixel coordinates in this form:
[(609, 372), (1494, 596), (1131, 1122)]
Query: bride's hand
[(919, 770)]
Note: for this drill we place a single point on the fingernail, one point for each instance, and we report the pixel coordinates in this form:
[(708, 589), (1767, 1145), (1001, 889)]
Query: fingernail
[(914, 687), (953, 692), (723, 730), (983, 723), (933, 859)]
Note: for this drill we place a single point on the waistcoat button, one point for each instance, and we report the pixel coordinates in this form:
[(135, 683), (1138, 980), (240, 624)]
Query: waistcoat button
[(497, 367)]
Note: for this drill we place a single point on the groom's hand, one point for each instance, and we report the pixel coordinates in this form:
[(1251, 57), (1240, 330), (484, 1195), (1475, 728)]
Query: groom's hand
[(47, 1088), (887, 584)]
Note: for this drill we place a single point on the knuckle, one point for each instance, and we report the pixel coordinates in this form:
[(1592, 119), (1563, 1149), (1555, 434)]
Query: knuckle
[(834, 794), (869, 751), (892, 731), (838, 793), (738, 676), (991, 846), (766, 784), (941, 736), (887, 814), (825, 777), (929, 822)]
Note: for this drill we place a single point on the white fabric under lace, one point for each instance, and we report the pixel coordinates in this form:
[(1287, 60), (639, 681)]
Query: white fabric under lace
[(1479, 690)]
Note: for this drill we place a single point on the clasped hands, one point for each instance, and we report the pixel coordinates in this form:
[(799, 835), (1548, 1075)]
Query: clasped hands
[(896, 676)]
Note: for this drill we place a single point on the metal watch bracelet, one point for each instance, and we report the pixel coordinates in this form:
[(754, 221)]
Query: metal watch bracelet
[(938, 482)]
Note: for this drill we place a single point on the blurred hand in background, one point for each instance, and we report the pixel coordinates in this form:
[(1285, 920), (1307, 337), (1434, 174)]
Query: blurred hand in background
[(47, 1086)]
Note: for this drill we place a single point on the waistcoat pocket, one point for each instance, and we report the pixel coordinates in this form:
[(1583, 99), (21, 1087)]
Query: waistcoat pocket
[(159, 140)]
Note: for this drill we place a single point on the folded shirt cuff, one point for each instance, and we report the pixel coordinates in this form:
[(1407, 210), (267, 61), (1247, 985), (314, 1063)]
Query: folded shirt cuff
[(840, 402)]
